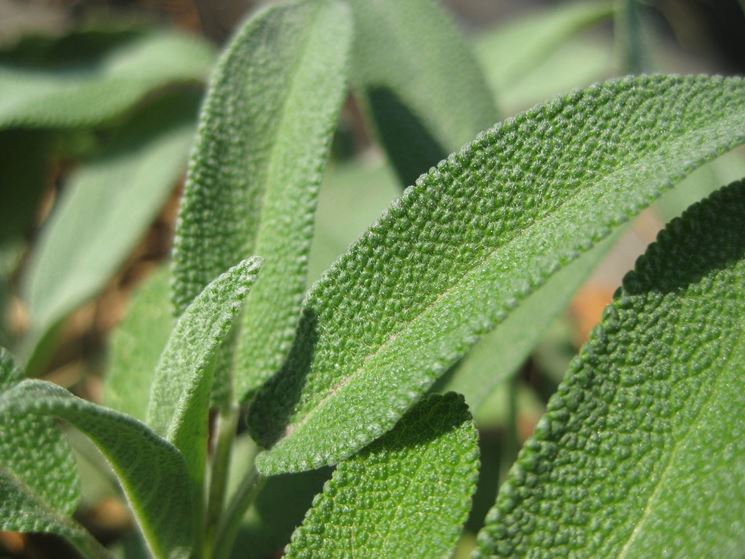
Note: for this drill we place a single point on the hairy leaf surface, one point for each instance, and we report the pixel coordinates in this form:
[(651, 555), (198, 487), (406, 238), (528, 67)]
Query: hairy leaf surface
[(104, 211), (180, 395), (414, 73), (406, 495), (152, 472), (254, 175), (472, 239), (136, 346), (67, 94), (641, 452)]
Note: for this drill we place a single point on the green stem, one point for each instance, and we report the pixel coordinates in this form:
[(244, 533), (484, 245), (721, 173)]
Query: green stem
[(227, 423), (511, 442), (628, 36), (231, 520)]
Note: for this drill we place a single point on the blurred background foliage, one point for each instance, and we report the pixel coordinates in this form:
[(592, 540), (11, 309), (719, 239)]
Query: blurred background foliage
[(98, 104)]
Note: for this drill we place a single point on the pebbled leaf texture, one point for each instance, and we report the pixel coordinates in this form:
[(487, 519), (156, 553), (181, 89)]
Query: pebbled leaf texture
[(413, 71), (472, 239), (180, 395), (152, 472), (254, 174), (66, 94), (641, 452), (406, 495), (105, 209), (136, 346)]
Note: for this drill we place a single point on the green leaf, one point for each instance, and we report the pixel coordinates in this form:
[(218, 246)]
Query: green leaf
[(255, 172), (79, 93), (180, 395), (39, 486), (406, 495), (414, 73), (152, 472), (136, 346), (104, 211), (472, 239), (641, 452)]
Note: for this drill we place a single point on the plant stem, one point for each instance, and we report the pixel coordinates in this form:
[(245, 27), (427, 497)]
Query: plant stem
[(628, 36), (231, 520), (227, 423), (511, 442)]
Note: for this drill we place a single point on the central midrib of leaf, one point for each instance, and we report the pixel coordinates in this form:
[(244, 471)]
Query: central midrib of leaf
[(539, 225)]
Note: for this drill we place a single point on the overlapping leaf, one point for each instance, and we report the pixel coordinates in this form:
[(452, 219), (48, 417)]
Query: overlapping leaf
[(152, 472), (642, 450), (470, 241), (104, 211), (67, 93), (253, 179), (406, 495), (419, 83)]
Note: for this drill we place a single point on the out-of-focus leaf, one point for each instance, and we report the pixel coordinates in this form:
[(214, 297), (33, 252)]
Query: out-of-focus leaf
[(641, 452), (253, 180), (406, 495), (152, 472), (104, 211), (419, 83), (458, 252), (61, 93), (136, 346)]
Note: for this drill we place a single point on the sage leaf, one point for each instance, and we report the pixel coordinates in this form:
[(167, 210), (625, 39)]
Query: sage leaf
[(413, 71), (254, 174), (151, 471), (178, 408), (641, 452), (103, 213), (472, 239), (65, 93), (136, 346), (406, 495)]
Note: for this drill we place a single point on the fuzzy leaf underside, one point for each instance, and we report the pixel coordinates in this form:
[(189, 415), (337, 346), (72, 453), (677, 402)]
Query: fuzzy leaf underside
[(474, 237), (179, 403), (136, 346), (67, 95), (406, 495), (151, 471), (254, 175), (414, 72), (641, 452), (106, 207)]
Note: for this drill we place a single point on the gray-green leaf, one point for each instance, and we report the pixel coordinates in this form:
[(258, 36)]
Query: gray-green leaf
[(254, 175), (418, 81), (642, 450), (471, 240), (406, 495), (152, 472)]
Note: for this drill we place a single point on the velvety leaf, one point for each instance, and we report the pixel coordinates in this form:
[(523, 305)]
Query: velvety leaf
[(152, 472), (136, 346), (471, 240), (406, 495), (254, 175), (418, 82), (641, 452), (103, 213), (64, 93), (180, 395)]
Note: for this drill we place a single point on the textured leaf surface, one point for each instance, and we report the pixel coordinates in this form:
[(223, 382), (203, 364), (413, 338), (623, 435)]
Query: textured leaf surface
[(104, 211), (180, 396), (151, 471), (254, 175), (406, 495), (69, 94), (414, 73), (474, 237), (642, 451), (136, 346)]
